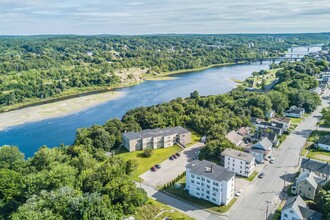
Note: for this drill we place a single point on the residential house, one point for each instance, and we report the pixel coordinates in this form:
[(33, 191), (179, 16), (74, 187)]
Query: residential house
[(244, 131), (317, 90), (324, 143), (296, 209), (255, 120), (270, 114), (156, 138), (234, 138), (261, 150), (295, 112), (306, 184), (276, 126), (272, 136), (284, 120), (321, 169), (209, 181), (239, 162)]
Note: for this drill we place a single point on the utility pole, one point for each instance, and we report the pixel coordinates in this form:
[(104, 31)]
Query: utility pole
[(268, 202)]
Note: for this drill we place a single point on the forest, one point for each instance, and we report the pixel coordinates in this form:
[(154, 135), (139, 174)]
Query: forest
[(81, 182), (37, 68)]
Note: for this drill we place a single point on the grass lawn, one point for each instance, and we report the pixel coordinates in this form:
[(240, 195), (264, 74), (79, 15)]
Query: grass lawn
[(156, 210), (195, 137), (181, 193), (252, 176), (144, 164), (277, 215), (316, 134), (319, 155), (296, 120)]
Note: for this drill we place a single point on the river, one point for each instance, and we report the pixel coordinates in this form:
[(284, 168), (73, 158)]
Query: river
[(52, 132)]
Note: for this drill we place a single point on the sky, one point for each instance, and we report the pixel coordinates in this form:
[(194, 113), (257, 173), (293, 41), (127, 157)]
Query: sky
[(32, 17)]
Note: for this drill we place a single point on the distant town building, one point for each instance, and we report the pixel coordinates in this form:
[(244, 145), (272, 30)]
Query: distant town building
[(209, 181), (234, 138), (306, 184), (239, 162), (295, 112), (156, 138), (296, 209), (321, 169), (324, 143)]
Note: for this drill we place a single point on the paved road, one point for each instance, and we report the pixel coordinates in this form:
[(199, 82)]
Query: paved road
[(252, 205), (170, 169)]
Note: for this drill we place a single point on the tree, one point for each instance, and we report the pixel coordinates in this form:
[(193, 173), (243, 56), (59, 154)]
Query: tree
[(147, 152), (194, 95), (11, 158)]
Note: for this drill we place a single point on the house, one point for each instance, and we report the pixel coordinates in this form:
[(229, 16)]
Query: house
[(270, 114), (284, 120), (156, 138), (255, 120), (261, 150), (295, 112), (295, 208), (306, 184), (239, 162), (209, 181), (324, 143), (277, 127), (321, 169), (244, 131), (234, 138), (271, 136), (317, 90)]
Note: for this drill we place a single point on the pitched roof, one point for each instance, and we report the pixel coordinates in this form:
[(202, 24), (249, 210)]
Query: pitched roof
[(282, 120), (218, 173), (243, 131), (265, 144), (315, 165), (295, 110), (309, 177), (300, 207), (155, 132), (234, 138), (324, 140), (237, 154), (270, 135)]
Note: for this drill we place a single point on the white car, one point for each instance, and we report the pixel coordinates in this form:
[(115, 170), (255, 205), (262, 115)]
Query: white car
[(272, 160), (239, 192)]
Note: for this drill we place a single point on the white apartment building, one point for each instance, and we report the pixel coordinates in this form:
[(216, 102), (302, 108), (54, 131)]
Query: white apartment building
[(209, 181), (238, 162)]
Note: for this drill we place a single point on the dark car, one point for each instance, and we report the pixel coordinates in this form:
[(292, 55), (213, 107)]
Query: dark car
[(261, 175), (171, 158), (177, 154), (174, 156), (158, 166), (153, 169)]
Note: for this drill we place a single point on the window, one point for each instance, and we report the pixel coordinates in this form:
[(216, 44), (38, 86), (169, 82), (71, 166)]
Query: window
[(285, 215), (241, 162), (208, 186), (207, 192), (214, 199), (309, 189), (207, 197), (214, 194), (192, 176), (291, 211), (208, 181), (216, 184), (203, 179), (192, 181), (197, 194), (197, 188), (198, 178)]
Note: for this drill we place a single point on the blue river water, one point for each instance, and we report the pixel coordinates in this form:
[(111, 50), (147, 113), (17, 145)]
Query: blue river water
[(52, 132)]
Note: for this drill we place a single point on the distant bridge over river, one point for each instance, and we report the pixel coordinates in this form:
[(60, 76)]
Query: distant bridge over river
[(265, 59)]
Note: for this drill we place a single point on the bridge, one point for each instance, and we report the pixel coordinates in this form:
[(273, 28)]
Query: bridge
[(265, 59)]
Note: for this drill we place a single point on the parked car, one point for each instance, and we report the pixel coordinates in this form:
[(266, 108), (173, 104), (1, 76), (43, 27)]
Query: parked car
[(261, 175), (272, 160), (177, 154), (239, 192), (171, 158), (153, 169), (158, 166), (174, 156), (195, 158)]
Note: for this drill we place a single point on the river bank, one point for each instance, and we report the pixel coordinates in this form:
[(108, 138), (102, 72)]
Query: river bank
[(74, 93), (55, 109)]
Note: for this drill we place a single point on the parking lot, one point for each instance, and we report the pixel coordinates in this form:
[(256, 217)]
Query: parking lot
[(170, 169)]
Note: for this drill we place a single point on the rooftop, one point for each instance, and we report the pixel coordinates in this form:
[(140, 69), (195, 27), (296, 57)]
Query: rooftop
[(237, 154), (300, 207), (210, 170), (155, 132), (234, 138), (282, 119), (265, 143), (324, 140), (315, 165)]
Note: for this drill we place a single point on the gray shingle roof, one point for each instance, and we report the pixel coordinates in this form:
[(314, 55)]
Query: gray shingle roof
[(218, 173), (234, 138), (264, 144), (315, 166), (237, 154), (155, 132), (300, 207), (309, 176), (324, 140)]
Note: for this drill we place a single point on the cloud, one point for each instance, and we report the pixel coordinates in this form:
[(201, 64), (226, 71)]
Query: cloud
[(166, 16)]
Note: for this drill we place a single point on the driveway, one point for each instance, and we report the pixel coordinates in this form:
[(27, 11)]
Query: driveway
[(170, 169)]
